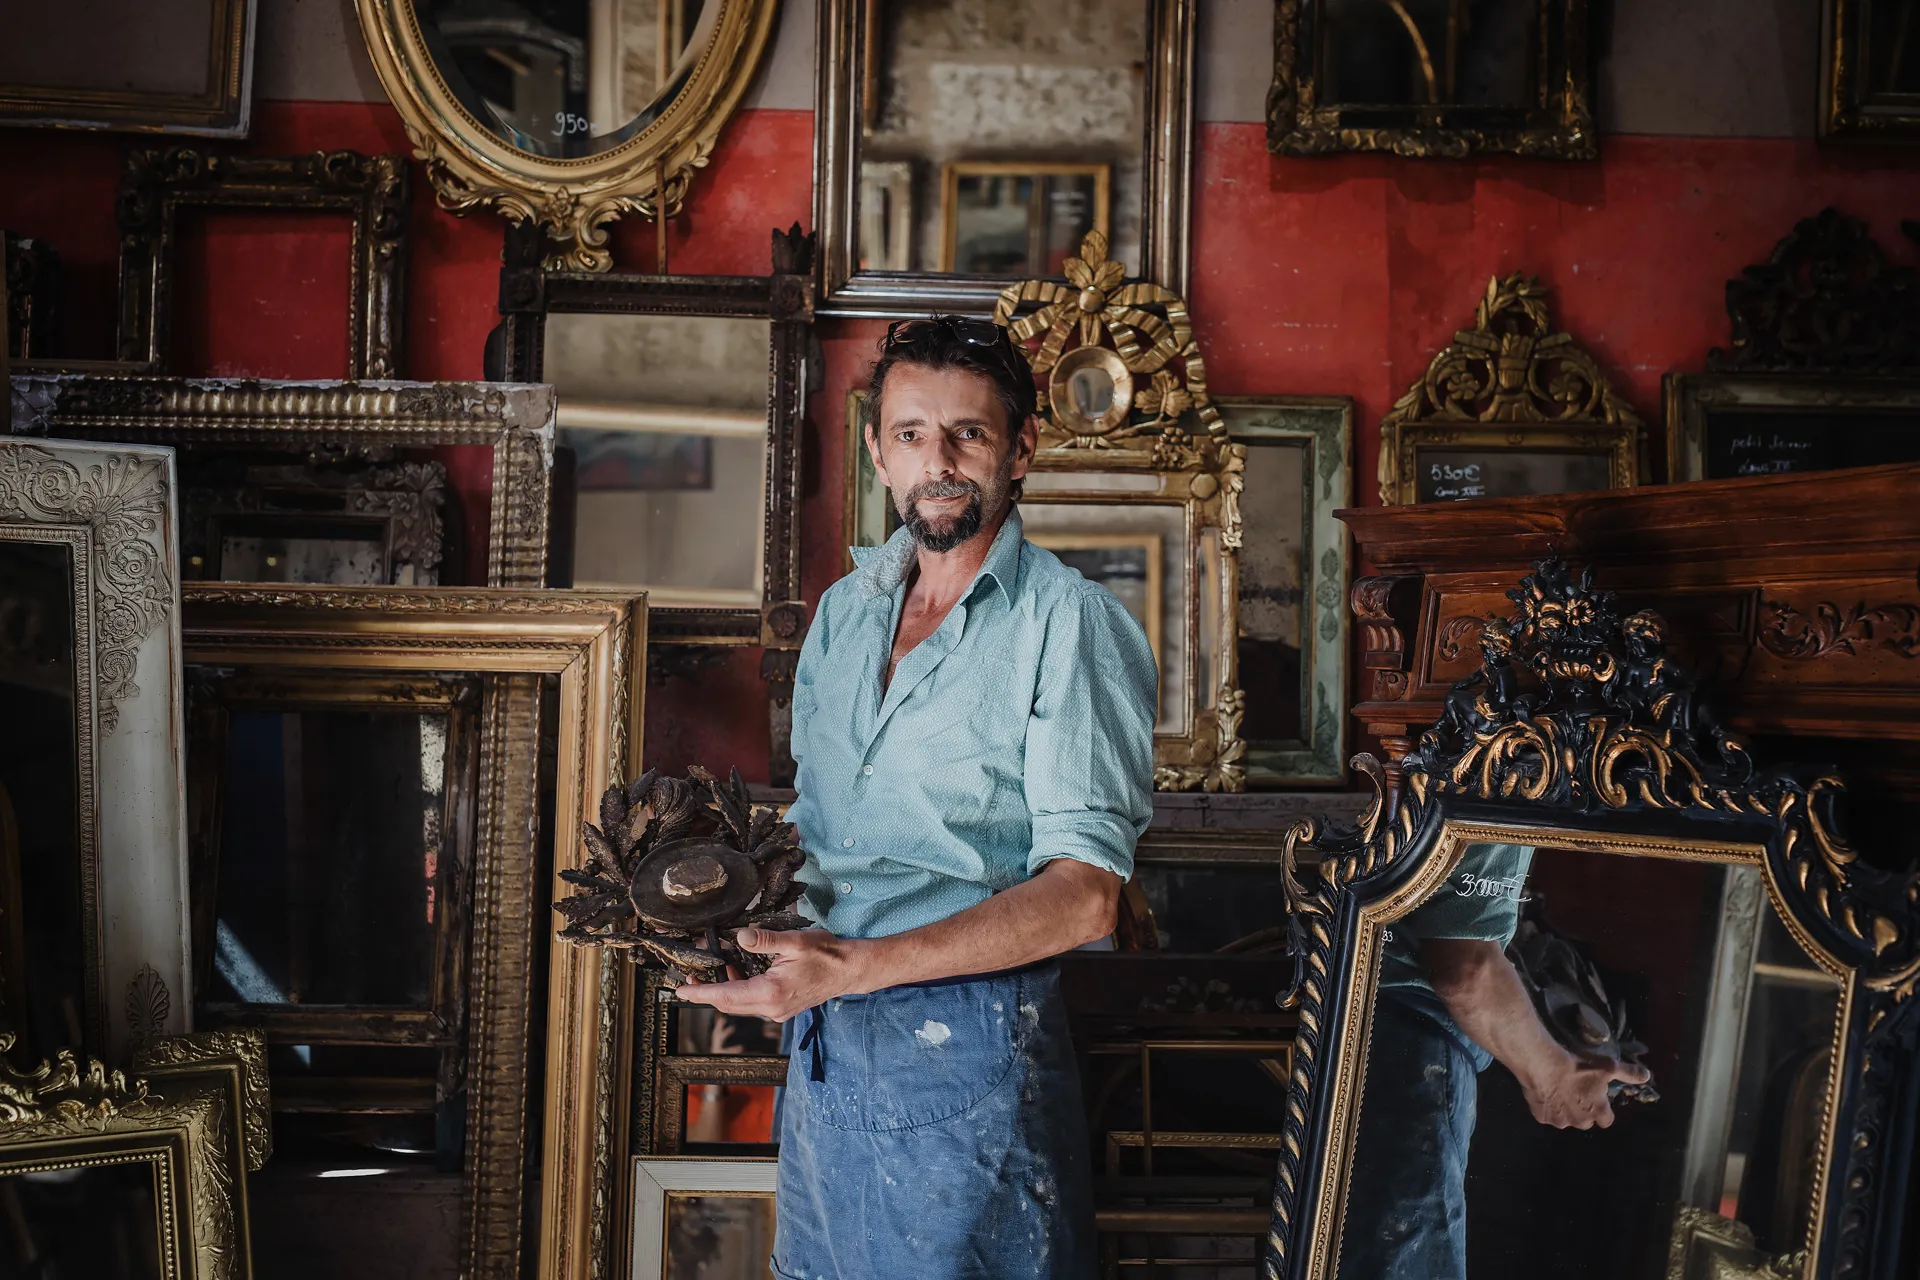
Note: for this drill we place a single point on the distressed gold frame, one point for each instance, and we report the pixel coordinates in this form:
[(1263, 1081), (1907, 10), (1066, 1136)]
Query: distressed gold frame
[(1849, 111), (954, 170), (673, 1072), (155, 184), (1558, 125), (1509, 384), (193, 1116), (222, 111), (328, 419), (573, 200), (593, 644), (846, 60)]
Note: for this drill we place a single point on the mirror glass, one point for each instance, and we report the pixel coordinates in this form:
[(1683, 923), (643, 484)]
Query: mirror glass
[(91, 1219), (566, 78), (1891, 47), (1712, 1037), (667, 420), (43, 945), (718, 1237), (1428, 52), (333, 839), (1142, 553), (1274, 607), (996, 133)]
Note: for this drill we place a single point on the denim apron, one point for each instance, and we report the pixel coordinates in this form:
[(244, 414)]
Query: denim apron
[(936, 1131)]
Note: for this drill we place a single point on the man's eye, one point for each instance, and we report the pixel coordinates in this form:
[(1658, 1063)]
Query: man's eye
[(970, 433), (904, 437)]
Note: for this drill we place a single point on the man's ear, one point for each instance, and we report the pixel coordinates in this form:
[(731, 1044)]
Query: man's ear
[(870, 432), (1025, 444)]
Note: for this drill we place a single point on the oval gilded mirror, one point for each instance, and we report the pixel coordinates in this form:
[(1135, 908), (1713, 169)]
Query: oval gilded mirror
[(567, 112)]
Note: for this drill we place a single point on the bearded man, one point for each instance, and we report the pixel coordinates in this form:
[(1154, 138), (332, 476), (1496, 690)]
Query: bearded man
[(973, 724)]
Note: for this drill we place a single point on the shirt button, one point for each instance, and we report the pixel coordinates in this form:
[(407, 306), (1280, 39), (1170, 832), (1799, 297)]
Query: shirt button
[(867, 769), (845, 887), (847, 843)]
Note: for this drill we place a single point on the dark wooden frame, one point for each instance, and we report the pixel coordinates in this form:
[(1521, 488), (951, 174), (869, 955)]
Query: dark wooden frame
[(156, 183), (845, 62), (1559, 125), (517, 352), (1847, 111), (1692, 398), (213, 696), (1466, 784)]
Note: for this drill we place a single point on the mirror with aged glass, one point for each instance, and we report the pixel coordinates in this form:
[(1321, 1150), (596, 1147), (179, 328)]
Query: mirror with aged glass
[(566, 113), (666, 416), (44, 996), (1599, 992), (1433, 77), (965, 143)]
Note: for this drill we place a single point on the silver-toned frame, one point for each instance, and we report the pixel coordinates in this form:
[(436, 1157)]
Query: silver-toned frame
[(1167, 172)]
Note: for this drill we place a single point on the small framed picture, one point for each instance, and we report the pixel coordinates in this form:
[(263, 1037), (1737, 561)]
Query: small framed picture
[(703, 1219), (1019, 218)]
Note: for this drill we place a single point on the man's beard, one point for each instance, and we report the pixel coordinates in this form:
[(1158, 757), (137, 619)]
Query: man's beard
[(940, 534)]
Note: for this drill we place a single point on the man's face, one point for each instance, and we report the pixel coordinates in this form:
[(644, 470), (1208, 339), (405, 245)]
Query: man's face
[(941, 445)]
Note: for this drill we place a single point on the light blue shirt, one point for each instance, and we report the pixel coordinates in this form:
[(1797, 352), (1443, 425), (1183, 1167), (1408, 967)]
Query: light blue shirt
[(1018, 732)]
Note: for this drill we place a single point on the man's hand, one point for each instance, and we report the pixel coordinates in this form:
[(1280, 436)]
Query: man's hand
[(810, 966), (1571, 1093)]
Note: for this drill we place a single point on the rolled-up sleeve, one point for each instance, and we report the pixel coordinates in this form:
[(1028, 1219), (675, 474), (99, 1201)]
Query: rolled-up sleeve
[(1089, 757)]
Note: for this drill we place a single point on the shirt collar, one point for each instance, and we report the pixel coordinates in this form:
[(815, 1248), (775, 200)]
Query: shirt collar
[(881, 569)]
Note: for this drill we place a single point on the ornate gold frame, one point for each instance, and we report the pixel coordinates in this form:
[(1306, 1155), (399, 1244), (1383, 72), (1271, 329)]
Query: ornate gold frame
[(471, 167), (1849, 111), (156, 183), (329, 419), (593, 644), (114, 508), (222, 111), (1559, 127), (954, 170), (846, 62), (193, 1116), (1618, 757), (1509, 384)]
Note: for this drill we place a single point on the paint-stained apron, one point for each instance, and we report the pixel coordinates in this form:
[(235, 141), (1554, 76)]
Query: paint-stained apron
[(936, 1132)]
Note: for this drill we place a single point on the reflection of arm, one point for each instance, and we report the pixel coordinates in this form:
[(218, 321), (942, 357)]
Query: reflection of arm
[(1480, 988)]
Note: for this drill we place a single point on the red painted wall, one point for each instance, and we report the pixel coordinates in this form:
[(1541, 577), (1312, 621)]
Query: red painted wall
[(1334, 276)]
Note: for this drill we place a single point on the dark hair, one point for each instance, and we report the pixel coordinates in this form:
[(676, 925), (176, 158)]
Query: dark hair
[(958, 342)]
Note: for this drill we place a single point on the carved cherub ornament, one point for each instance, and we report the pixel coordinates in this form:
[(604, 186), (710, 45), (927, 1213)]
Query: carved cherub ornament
[(677, 868)]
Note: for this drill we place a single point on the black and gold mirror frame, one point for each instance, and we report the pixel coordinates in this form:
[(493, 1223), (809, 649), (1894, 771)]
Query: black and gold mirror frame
[(1427, 79), (1611, 758), (517, 349)]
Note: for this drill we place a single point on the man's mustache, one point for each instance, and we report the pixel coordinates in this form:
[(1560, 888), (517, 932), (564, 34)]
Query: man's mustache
[(942, 489)]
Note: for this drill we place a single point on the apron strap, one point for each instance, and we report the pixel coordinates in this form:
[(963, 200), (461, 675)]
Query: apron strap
[(814, 1041)]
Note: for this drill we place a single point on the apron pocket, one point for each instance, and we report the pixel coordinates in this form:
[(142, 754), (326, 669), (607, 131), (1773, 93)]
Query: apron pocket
[(912, 1056)]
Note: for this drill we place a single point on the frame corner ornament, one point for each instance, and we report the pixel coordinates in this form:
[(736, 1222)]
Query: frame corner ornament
[(1578, 719), (1508, 381)]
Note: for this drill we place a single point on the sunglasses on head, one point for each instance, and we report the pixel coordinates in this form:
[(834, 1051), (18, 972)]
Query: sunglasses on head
[(974, 332)]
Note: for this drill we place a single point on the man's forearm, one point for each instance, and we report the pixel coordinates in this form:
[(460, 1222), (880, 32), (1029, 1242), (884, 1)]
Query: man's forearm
[(1067, 905), (1477, 983)]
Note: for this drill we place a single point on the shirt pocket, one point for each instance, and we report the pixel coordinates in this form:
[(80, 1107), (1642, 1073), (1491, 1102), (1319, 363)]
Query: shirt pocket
[(914, 1056)]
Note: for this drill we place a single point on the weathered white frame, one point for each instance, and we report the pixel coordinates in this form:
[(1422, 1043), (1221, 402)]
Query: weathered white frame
[(654, 1179)]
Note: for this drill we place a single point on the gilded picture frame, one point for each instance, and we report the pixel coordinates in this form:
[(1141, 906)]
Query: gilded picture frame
[(109, 513), (1556, 122), (593, 646), (157, 183), (848, 74), (571, 200), (1508, 392), (189, 1118), (331, 420), (1652, 778), (222, 108)]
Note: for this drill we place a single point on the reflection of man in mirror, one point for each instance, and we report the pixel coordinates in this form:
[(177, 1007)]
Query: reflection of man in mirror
[(1450, 1004), (973, 723)]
